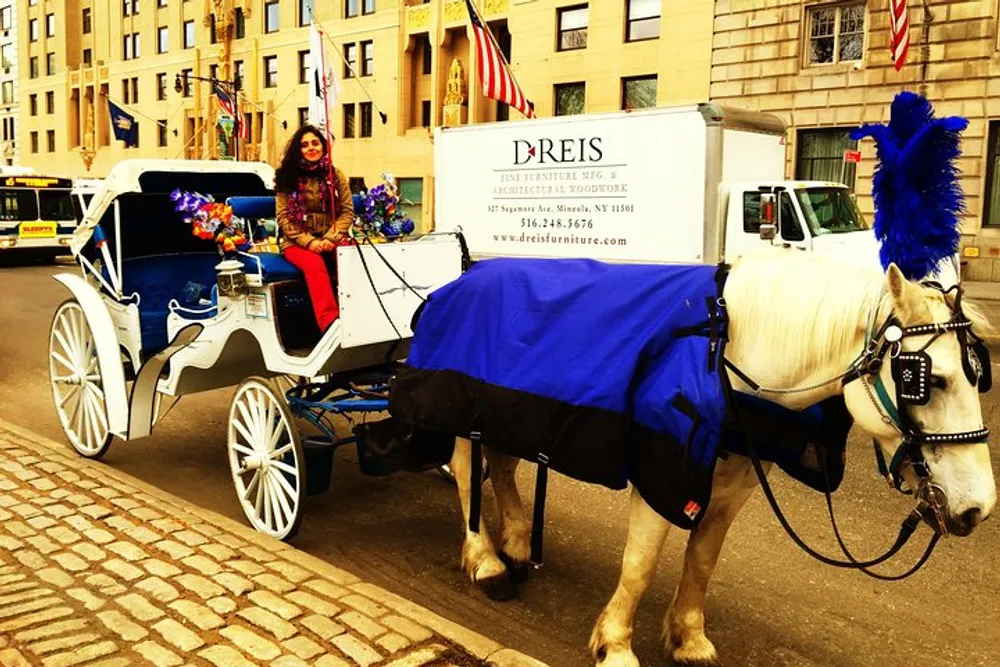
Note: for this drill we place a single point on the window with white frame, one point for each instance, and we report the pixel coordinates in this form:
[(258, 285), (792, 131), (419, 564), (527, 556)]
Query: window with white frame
[(836, 33)]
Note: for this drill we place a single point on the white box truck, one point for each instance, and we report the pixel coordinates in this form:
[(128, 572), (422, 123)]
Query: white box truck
[(678, 184)]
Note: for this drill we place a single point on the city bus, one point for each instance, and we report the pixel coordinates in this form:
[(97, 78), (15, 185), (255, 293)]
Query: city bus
[(37, 215)]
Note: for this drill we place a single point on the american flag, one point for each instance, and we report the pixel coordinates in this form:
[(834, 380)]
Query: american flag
[(226, 102), (494, 72), (899, 32)]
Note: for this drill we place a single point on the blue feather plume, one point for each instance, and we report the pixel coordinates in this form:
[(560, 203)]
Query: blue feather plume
[(918, 197)]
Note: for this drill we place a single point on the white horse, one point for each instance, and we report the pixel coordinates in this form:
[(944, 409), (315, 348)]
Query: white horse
[(796, 320)]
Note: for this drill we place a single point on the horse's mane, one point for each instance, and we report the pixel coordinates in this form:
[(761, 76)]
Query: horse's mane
[(779, 301)]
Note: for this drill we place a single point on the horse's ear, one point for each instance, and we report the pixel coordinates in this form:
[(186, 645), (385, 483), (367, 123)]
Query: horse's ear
[(900, 289)]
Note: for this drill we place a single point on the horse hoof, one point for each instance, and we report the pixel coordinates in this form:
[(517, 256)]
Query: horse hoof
[(498, 588), (518, 571), (686, 659)]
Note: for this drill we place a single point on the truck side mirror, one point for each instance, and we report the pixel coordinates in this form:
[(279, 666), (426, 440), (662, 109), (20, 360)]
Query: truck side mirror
[(768, 216)]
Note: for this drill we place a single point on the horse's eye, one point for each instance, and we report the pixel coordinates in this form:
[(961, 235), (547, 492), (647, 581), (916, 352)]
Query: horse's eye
[(939, 382)]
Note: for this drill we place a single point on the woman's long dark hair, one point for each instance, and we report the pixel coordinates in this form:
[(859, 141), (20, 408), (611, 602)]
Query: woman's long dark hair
[(286, 176)]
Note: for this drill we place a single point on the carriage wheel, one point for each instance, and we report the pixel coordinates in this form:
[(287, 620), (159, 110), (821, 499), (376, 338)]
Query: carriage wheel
[(266, 459), (77, 389)]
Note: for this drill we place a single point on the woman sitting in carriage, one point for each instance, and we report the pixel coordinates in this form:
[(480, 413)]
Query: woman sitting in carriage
[(314, 215)]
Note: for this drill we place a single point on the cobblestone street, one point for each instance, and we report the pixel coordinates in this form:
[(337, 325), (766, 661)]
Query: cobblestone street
[(96, 570)]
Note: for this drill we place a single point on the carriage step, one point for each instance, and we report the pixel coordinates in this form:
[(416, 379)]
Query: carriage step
[(318, 450)]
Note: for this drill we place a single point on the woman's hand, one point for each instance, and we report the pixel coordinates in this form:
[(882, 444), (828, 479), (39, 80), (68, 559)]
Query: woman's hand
[(321, 245)]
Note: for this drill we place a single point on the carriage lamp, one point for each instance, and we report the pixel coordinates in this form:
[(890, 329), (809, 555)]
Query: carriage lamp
[(231, 279)]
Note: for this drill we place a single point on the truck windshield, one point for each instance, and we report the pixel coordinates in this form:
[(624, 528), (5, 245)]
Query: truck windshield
[(830, 210)]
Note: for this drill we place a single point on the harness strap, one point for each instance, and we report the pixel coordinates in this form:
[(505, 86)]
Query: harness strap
[(538, 511), (885, 400), (476, 499)]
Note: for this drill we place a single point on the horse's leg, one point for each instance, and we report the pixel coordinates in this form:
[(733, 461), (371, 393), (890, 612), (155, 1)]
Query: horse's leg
[(479, 557), (611, 640), (684, 627), (515, 529)]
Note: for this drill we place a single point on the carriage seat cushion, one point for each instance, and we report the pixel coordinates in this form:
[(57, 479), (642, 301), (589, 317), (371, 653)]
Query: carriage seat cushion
[(273, 265)]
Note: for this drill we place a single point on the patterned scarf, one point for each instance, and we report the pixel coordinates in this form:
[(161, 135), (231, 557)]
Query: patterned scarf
[(297, 200)]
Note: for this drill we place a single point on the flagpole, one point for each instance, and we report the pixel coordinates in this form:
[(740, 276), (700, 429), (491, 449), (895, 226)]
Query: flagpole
[(322, 31), (326, 125)]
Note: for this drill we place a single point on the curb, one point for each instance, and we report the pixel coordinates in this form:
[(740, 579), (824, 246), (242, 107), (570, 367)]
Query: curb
[(489, 651)]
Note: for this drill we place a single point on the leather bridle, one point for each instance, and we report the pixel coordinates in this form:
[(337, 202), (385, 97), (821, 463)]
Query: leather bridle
[(913, 380)]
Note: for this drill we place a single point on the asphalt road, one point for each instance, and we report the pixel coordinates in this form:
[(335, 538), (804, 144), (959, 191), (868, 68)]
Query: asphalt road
[(769, 604)]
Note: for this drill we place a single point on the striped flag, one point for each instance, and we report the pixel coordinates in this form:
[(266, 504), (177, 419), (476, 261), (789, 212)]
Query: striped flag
[(899, 32), (226, 102), (494, 72)]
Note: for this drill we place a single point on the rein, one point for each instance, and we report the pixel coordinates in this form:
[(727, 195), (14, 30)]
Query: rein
[(911, 375)]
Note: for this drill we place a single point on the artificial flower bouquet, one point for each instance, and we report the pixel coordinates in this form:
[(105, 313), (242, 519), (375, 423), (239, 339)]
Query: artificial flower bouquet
[(212, 220), (382, 217)]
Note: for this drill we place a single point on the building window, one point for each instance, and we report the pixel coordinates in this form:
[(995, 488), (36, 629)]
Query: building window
[(50, 64), (33, 104), (33, 31), (240, 24), (572, 23), (50, 140), (8, 97), (639, 92), (86, 21), (304, 66), (6, 18), (305, 12), (303, 116), (34, 142), (570, 98), (425, 113), (836, 34), (348, 121), (50, 25), (819, 156), (272, 18), (135, 45), (238, 68), (212, 37), (991, 214), (6, 55), (213, 72), (33, 67), (411, 196), (189, 34), (186, 75), (350, 8), (126, 47), (162, 39), (350, 60), (50, 102), (426, 55), (88, 57), (135, 90), (368, 7), (642, 20), (270, 71), (161, 3), (161, 86), (367, 58), (366, 119), (161, 133)]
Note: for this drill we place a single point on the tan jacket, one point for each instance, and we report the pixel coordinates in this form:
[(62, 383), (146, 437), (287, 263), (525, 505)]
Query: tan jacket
[(317, 224)]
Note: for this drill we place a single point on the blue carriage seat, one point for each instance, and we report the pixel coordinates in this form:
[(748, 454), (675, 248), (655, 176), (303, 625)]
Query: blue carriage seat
[(273, 266)]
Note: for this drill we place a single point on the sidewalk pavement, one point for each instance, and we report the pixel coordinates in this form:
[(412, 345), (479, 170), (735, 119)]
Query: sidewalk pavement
[(98, 568)]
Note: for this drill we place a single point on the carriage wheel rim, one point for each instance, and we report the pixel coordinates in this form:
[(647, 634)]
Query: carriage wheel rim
[(77, 387), (264, 460)]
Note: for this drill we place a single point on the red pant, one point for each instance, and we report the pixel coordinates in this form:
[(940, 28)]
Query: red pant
[(318, 269)]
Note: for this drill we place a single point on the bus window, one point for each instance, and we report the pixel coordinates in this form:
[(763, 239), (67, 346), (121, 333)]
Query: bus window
[(55, 205), (18, 205)]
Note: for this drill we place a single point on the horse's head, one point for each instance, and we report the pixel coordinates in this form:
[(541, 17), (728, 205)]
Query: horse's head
[(922, 403)]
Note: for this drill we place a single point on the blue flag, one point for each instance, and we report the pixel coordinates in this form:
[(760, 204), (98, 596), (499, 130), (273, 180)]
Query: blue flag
[(124, 125)]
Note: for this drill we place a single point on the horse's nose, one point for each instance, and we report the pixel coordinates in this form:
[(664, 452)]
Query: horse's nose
[(972, 517)]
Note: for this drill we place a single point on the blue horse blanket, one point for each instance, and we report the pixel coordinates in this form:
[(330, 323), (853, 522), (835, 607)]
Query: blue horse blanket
[(606, 373)]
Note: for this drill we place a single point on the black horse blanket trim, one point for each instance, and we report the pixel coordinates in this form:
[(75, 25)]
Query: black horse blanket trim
[(606, 373)]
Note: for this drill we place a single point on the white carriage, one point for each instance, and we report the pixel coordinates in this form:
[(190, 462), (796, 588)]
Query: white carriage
[(155, 314)]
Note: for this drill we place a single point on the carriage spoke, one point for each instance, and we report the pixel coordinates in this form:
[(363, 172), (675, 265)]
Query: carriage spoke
[(257, 503), (246, 423), (265, 484), (70, 393), (285, 468), (281, 500), (98, 404), (245, 451), (253, 486), (63, 360), (68, 349), (246, 436), (280, 453)]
